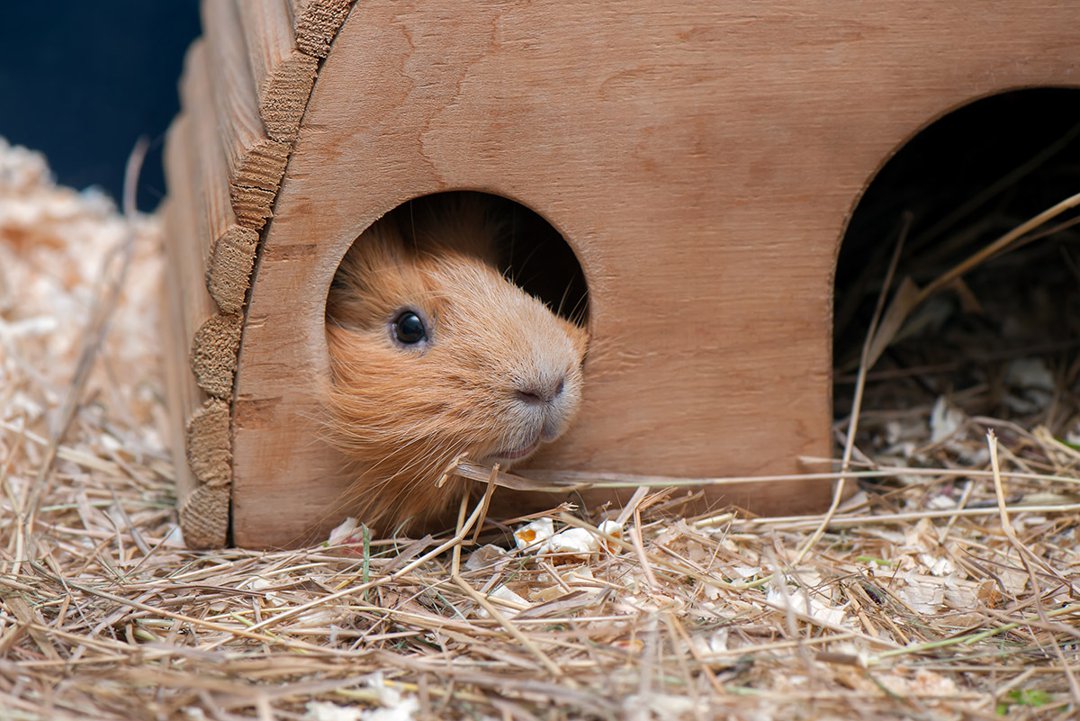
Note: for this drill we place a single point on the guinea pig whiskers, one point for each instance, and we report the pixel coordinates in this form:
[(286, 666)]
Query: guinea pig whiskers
[(426, 460), (524, 264)]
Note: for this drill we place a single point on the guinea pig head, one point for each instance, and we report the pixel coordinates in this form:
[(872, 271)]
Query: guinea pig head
[(434, 354)]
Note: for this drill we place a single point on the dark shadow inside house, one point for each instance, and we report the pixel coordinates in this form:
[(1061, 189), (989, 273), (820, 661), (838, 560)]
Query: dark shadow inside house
[(532, 253), (993, 327)]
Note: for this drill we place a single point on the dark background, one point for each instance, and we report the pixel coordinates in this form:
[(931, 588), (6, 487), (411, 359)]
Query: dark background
[(82, 80)]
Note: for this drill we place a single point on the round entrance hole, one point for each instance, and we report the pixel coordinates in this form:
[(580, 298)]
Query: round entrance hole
[(435, 358), (1002, 340)]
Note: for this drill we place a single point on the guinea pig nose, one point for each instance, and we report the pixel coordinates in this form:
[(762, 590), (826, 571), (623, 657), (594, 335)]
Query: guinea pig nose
[(539, 393)]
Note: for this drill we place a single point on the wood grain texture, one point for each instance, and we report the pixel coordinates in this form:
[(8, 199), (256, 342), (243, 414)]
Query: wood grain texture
[(228, 247), (211, 193), (283, 74), (256, 163), (188, 304), (229, 270), (316, 23), (181, 394), (199, 219), (214, 350), (209, 444), (204, 517), (701, 159)]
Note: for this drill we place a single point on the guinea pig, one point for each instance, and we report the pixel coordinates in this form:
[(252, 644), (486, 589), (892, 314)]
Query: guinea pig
[(434, 354)]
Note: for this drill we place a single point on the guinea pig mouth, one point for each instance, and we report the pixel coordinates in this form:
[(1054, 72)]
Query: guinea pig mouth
[(514, 454)]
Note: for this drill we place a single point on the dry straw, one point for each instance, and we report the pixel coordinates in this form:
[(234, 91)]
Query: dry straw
[(946, 589)]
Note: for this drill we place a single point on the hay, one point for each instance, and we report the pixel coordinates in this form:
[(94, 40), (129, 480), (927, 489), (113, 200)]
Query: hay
[(941, 590)]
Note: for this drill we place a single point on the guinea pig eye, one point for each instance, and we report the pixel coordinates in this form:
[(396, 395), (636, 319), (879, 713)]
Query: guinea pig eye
[(409, 328)]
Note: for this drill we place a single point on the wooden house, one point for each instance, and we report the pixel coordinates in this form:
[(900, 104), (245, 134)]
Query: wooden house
[(700, 159)]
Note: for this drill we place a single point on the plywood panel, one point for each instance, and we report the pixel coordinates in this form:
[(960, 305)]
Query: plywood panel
[(702, 161)]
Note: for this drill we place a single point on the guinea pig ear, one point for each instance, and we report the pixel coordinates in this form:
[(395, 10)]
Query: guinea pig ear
[(465, 222)]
